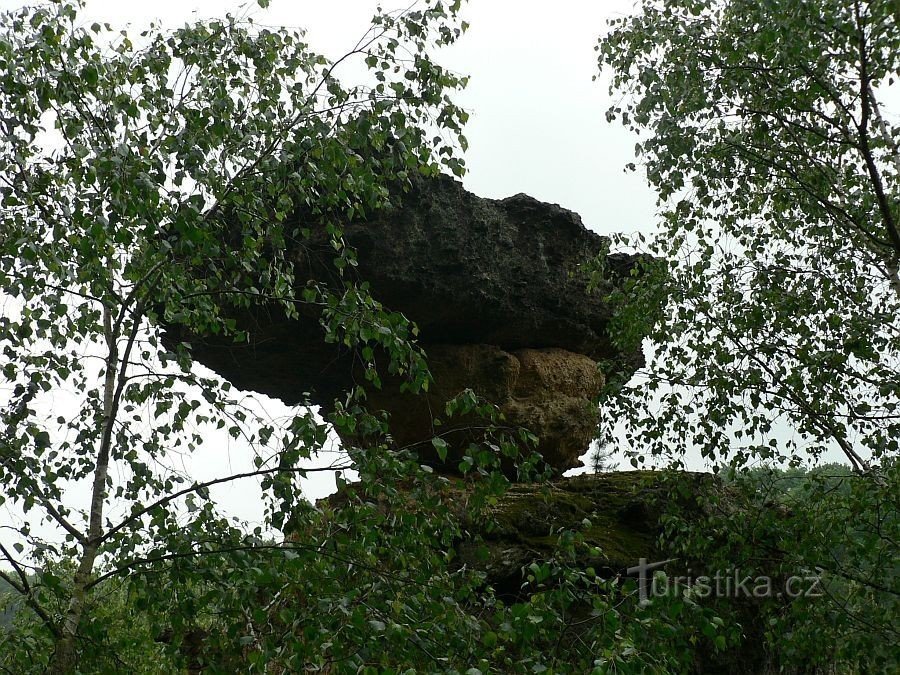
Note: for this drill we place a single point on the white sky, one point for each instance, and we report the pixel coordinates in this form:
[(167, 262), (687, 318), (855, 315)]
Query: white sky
[(537, 122)]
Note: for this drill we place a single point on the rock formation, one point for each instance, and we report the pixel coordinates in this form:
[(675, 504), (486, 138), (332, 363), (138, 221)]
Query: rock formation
[(549, 391), (623, 509), (497, 291), (620, 517)]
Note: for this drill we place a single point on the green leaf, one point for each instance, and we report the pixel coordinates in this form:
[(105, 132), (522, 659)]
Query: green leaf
[(440, 446)]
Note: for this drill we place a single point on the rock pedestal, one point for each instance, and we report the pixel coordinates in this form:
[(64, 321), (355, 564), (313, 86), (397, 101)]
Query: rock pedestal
[(548, 391)]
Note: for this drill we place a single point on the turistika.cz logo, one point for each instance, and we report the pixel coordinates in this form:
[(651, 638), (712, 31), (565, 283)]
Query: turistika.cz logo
[(654, 583)]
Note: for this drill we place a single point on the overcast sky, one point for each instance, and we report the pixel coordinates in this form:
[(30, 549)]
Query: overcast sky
[(537, 122)]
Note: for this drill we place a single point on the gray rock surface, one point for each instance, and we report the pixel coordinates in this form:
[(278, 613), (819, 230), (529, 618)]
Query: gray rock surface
[(472, 270)]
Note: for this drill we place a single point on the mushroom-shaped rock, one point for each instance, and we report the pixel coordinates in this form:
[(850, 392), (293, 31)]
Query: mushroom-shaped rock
[(498, 292)]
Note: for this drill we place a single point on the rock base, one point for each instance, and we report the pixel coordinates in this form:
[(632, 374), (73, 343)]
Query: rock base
[(550, 392)]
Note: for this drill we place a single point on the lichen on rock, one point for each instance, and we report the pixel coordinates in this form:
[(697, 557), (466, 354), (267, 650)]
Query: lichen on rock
[(618, 514)]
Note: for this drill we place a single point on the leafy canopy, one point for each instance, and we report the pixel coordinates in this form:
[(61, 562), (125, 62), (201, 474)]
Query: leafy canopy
[(765, 130), (769, 132), (152, 180), (119, 155)]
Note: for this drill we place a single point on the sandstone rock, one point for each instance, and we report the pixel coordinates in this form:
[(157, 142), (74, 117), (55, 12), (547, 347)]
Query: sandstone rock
[(623, 510), (467, 270), (620, 515), (621, 518), (549, 391), (470, 270)]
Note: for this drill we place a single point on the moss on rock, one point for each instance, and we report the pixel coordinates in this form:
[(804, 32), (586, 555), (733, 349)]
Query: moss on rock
[(618, 515)]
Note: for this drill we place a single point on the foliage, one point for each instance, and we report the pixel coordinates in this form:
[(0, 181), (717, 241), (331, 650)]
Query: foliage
[(114, 632), (828, 533), (119, 156), (766, 129), (154, 180), (762, 128), (372, 584)]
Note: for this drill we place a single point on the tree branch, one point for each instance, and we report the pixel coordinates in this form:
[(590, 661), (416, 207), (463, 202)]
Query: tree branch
[(207, 484)]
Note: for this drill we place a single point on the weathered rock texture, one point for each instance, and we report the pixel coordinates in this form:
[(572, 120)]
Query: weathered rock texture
[(549, 391), (619, 515), (497, 291), (470, 270), (623, 510)]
